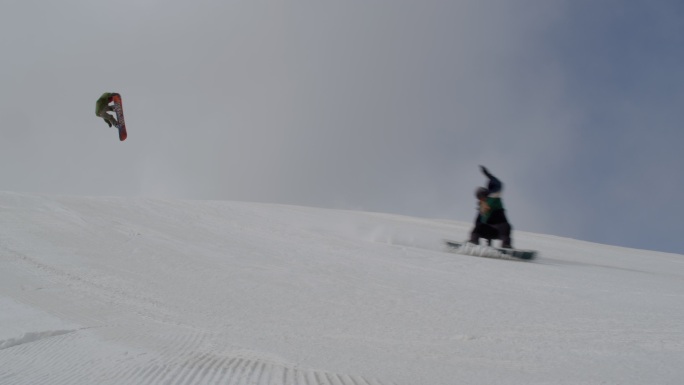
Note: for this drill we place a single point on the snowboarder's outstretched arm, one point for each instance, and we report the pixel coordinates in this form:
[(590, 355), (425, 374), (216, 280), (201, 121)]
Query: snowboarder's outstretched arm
[(494, 186)]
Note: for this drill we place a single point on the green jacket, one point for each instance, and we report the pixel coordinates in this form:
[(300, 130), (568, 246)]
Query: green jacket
[(490, 206), (102, 102)]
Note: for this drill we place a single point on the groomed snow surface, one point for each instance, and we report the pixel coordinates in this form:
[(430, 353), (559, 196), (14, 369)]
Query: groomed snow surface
[(149, 291)]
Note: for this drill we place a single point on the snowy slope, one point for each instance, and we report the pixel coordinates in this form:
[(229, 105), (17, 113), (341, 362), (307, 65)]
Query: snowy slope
[(145, 291)]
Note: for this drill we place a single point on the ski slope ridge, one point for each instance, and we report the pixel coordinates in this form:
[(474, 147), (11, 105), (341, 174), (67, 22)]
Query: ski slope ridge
[(154, 291)]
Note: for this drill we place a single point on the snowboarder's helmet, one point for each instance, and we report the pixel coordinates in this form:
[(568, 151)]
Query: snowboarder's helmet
[(481, 192)]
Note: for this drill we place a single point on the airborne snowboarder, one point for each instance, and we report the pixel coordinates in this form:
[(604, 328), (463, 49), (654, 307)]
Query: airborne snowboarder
[(103, 106)]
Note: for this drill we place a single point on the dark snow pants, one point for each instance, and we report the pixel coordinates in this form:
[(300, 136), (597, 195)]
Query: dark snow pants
[(500, 231)]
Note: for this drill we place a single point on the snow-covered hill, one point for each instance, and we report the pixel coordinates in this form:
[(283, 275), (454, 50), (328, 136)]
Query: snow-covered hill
[(148, 291)]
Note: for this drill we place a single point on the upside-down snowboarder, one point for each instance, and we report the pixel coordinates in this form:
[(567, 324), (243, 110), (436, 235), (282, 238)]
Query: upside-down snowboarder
[(491, 222)]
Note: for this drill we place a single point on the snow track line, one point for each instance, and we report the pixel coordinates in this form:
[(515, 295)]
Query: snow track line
[(30, 337), (90, 283)]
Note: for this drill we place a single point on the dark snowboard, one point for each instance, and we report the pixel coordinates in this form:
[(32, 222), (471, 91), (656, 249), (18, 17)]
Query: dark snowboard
[(513, 253)]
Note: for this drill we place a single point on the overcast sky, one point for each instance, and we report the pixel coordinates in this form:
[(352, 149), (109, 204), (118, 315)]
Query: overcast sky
[(577, 106)]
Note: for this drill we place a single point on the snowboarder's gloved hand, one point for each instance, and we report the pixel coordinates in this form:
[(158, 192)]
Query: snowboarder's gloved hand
[(485, 171)]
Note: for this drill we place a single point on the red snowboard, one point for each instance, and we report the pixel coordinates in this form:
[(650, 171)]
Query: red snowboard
[(118, 108)]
